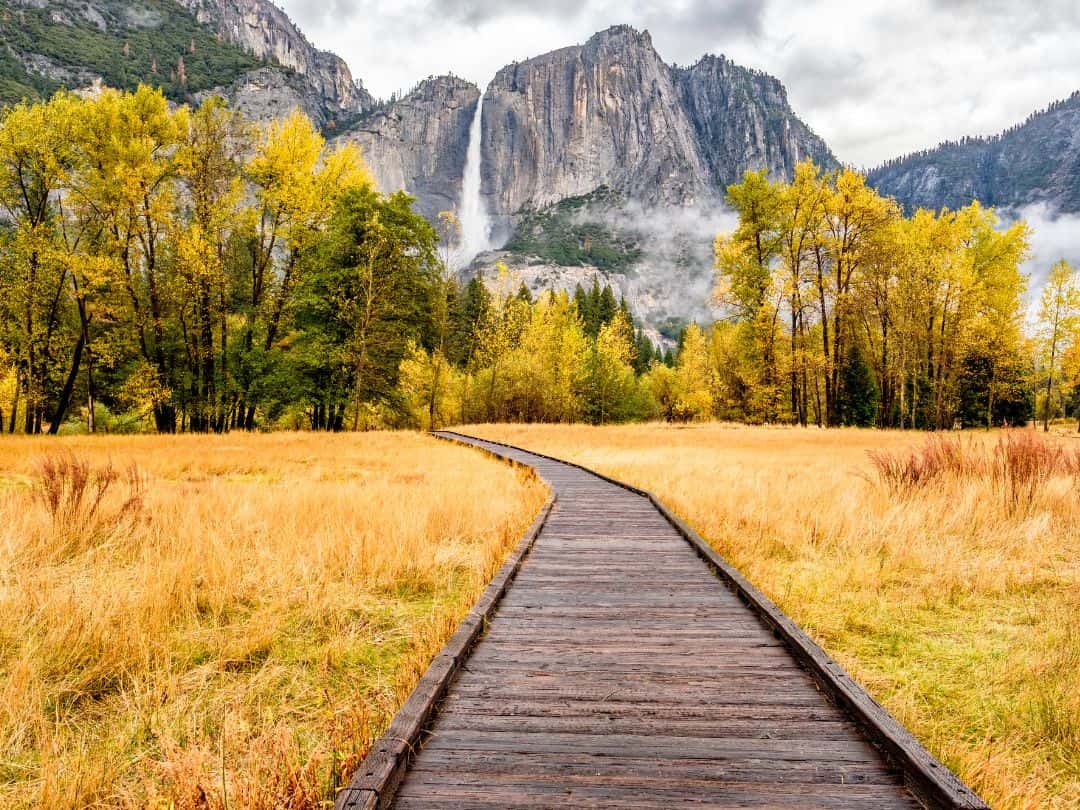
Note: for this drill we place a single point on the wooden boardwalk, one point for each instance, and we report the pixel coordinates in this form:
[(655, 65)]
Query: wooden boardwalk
[(619, 671)]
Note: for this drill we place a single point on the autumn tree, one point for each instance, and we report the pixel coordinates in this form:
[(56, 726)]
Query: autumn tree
[(131, 142), (611, 393), (745, 263), (37, 156), (296, 187), (1059, 309), (365, 294)]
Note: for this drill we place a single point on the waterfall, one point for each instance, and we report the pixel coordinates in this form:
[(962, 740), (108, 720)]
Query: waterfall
[(475, 226)]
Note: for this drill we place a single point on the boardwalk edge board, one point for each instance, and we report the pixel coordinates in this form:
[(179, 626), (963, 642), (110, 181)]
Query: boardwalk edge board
[(374, 783), (928, 778)]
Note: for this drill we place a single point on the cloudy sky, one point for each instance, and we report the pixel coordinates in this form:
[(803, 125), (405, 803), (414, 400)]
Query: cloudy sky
[(875, 78)]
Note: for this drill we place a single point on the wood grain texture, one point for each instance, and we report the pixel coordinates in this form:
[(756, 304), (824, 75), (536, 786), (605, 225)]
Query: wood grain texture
[(625, 664)]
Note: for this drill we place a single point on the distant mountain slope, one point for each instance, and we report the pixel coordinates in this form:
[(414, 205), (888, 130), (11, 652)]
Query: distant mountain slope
[(743, 120), (263, 29), (1034, 162), (248, 50), (48, 45)]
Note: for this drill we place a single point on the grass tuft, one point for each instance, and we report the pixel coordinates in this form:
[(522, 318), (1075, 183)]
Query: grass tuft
[(1020, 467), (75, 493)]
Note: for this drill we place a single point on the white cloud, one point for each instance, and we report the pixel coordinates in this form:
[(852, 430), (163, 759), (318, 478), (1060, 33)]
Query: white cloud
[(1053, 237)]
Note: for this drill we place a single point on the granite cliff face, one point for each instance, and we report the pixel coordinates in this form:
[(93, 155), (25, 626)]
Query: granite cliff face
[(609, 113), (742, 120), (265, 31), (419, 142), (1035, 162)]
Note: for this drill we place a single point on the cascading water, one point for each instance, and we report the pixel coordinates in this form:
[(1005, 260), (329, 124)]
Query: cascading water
[(475, 236)]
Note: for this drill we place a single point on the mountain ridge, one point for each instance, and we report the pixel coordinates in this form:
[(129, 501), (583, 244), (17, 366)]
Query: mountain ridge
[(266, 31), (1036, 161)]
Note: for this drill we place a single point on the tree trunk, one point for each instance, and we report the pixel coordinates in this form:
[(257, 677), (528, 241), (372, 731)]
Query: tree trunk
[(436, 367), (165, 418), (69, 387), (794, 370), (91, 420), (829, 393), (206, 360), (14, 404), (1050, 380)]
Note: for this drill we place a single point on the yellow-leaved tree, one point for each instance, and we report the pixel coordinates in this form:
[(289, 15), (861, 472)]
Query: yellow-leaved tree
[(1059, 311)]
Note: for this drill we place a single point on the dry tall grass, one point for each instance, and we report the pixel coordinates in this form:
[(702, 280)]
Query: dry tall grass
[(955, 600), (198, 622)]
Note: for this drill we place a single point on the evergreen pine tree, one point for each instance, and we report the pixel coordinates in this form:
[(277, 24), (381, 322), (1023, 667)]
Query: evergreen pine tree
[(607, 309), (858, 400), (592, 316), (645, 352), (475, 303), (581, 301)]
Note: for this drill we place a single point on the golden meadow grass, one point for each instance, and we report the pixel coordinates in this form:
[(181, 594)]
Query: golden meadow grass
[(959, 612), (239, 617)]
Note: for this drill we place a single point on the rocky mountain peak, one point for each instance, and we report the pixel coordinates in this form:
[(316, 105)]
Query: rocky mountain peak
[(612, 113), (621, 36), (604, 113)]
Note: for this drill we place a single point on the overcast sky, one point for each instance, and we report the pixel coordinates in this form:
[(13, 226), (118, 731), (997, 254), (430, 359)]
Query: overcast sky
[(875, 78)]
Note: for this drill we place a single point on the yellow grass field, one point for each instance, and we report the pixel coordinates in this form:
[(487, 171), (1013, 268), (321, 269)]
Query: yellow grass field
[(235, 621), (960, 614)]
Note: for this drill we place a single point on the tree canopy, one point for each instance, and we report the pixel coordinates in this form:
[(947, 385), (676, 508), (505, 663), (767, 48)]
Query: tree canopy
[(171, 268)]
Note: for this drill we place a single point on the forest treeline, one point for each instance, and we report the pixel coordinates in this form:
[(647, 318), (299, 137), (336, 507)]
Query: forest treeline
[(847, 312), (163, 268), (175, 269)]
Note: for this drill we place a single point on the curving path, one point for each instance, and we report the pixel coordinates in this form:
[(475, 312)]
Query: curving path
[(619, 671)]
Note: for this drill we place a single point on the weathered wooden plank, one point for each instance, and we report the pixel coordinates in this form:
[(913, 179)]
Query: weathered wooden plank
[(701, 728), (577, 765), (766, 715), (514, 791), (852, 749)]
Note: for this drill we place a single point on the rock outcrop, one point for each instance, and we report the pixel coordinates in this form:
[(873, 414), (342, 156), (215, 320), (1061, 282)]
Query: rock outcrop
[(265, 31), (419, 142), (1034, 162), (269, 93)]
